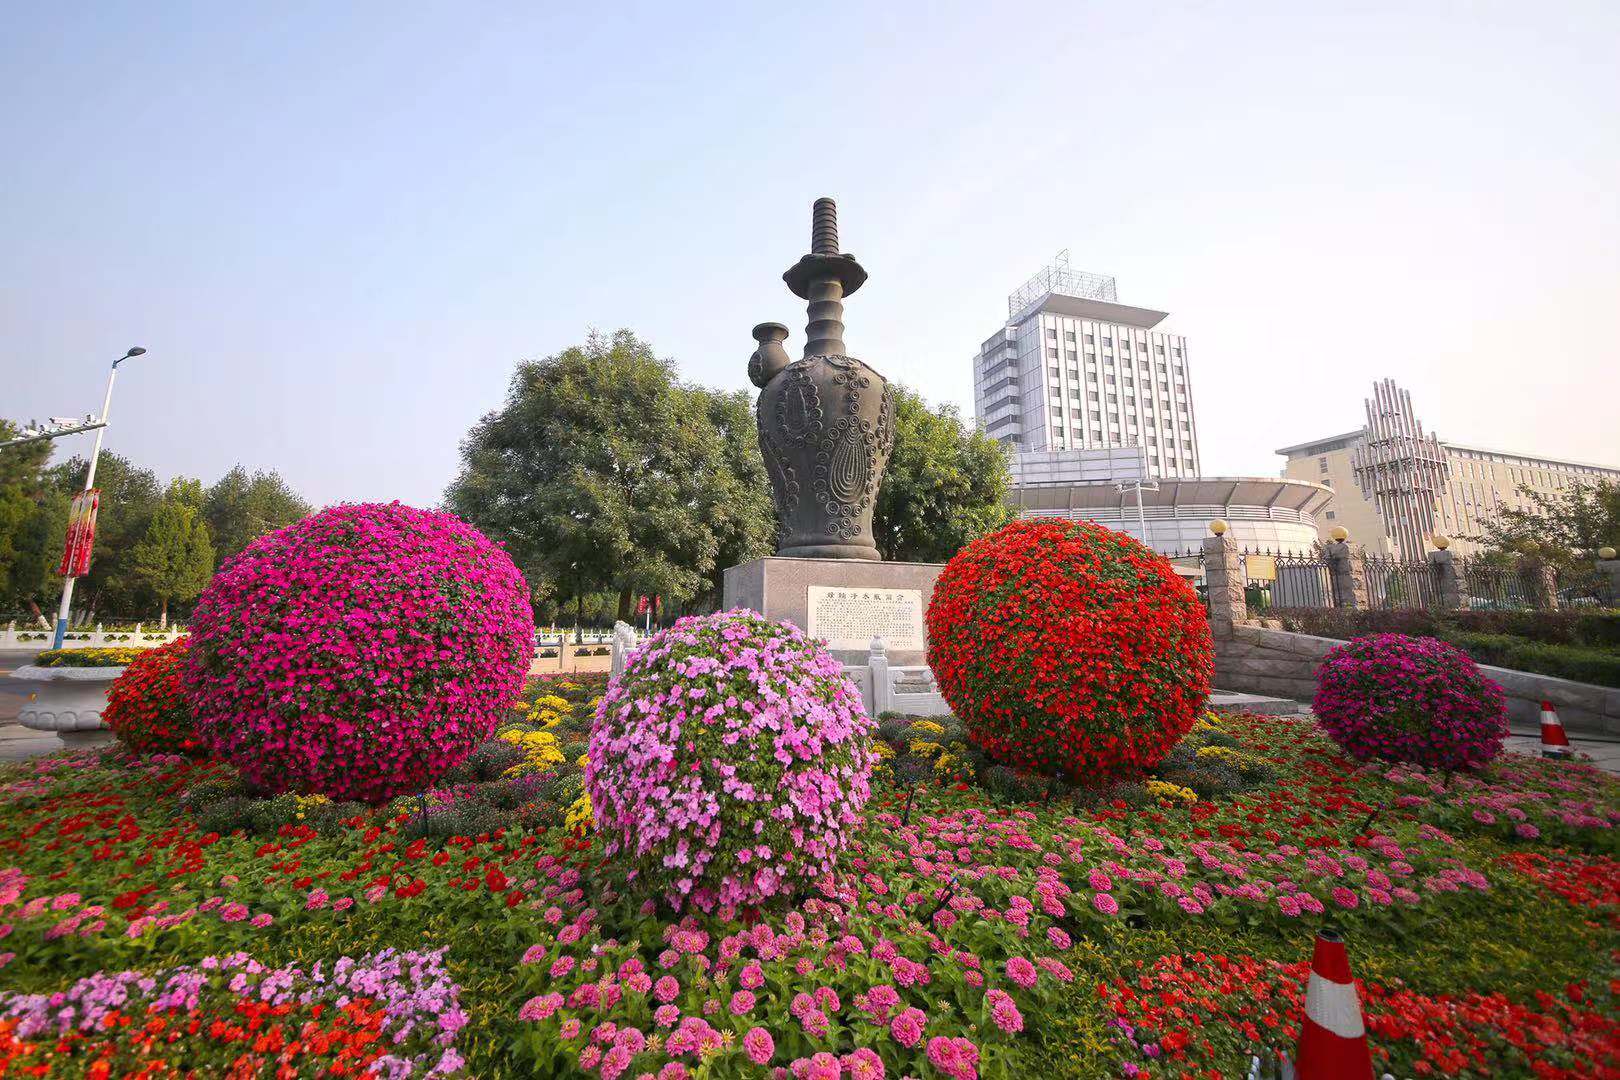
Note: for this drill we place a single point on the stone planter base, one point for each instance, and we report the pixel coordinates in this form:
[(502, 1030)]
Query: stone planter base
[(65, 700)]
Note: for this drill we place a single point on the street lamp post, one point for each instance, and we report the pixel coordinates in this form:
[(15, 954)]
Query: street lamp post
[(1138, 485), (90, 482)]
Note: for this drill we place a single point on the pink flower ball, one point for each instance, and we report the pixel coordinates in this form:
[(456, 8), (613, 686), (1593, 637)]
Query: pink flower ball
[(360, 653), (729, 762)]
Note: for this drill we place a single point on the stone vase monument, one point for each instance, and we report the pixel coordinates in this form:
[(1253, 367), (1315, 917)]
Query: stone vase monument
[(826, 422), (826, 429)]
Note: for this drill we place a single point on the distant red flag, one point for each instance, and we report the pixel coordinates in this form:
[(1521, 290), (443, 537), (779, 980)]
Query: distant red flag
[(641, 606), (81, 534)]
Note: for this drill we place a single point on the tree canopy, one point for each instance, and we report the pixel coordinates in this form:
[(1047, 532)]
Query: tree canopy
[(1566, 527), (603, 472), (34, 500), (946, 484), (240, 508), (174, 558)]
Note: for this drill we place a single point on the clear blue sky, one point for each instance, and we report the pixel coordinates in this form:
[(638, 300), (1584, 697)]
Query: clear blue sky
[(338, 226)]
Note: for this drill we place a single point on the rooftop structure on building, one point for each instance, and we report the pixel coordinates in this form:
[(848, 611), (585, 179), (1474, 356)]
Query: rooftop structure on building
[(1074, 369), (1396, 485), (1173, 515)]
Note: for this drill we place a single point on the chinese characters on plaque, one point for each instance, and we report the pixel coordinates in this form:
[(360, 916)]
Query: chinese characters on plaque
[(848, 618)]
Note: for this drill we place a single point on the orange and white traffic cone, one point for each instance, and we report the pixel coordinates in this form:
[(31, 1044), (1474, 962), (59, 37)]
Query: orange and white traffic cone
[(1333, 1041), (1554, 743)]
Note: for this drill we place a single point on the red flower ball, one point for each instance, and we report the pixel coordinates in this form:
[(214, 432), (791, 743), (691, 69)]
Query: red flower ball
[(1069, 649), (146, 705)]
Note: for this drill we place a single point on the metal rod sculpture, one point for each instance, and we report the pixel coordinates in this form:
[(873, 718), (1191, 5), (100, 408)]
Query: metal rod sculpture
[(1401, 469)]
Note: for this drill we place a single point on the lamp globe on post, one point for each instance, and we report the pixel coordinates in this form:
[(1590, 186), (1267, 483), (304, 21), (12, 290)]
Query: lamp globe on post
[(1606, 553), (1441, 541), (1218, 526), (1339, 534)]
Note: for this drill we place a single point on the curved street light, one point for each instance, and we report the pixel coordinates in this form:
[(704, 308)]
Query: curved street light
[(90, 482)]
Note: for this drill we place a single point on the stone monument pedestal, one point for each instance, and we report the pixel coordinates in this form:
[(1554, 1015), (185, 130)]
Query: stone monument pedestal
[(847, 602)]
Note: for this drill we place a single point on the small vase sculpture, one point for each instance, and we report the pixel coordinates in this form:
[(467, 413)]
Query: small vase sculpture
[(826, 422)]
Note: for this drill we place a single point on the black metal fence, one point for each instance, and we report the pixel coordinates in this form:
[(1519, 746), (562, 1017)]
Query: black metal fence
[(1400, 585), (1300, 581), (1585, 587), (1495, 585)]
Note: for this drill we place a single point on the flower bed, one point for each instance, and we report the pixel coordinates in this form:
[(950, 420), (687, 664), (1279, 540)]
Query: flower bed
[(966, 934), (383, 1015)]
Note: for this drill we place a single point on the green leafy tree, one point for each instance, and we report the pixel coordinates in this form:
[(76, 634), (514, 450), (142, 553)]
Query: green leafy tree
[(603, 472), (946, 484), (1565, 528), (240, 508), (740, 510), (21, 480), (174, 558)]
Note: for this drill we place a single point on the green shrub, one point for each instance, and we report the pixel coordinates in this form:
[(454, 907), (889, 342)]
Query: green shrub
[(1578, 662)]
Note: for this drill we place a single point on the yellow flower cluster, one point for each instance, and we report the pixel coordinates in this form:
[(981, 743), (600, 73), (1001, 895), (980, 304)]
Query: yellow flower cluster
[(926, 747), (308, 802), (548, 711), (1208, 722), (1224, 755), (1164, 791), (540, 749), (945, 765), (580, 815), (117, 656), (926, 727)]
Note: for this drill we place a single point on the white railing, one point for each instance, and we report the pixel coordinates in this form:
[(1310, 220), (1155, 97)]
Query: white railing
[(38, 638)]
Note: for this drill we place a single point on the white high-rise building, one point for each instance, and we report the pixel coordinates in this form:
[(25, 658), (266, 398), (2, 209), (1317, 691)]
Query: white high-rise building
[(1075, 369)]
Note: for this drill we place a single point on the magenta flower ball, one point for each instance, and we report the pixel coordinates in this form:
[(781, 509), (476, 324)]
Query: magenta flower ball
[(729, 762), (360, 653), (1411, 699)]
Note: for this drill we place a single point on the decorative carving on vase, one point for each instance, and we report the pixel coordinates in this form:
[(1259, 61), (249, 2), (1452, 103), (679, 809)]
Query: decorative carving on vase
[(826, 422)]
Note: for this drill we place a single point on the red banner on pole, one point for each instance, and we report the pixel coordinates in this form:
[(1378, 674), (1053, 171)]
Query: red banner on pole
[(81, 534)]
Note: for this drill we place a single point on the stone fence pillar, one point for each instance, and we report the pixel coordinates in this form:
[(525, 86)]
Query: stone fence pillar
[(1609, 567), (1448, 591), (1223, 580), (1348, 567), (1541, 581)]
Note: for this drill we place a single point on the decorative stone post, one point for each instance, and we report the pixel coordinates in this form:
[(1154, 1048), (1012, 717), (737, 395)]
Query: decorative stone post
[(1348, 567), (1448, 591), (1609, 569), (1541, 581), (1223, 580), (877, 661)]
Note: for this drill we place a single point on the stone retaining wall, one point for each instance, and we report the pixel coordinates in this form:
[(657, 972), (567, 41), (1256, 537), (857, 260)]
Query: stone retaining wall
[(1256, 660), (1260, 660)]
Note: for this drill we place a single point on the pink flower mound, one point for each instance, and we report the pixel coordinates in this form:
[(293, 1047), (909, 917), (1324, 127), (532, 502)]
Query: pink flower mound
[(359, 653), (1410, 699), (729, 761)]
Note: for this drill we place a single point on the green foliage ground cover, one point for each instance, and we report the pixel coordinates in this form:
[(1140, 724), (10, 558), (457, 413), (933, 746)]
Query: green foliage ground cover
[(1182, 906)]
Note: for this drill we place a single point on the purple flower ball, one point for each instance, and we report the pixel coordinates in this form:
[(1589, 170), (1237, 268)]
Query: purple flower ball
[(360, 653), (1411, 699)]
